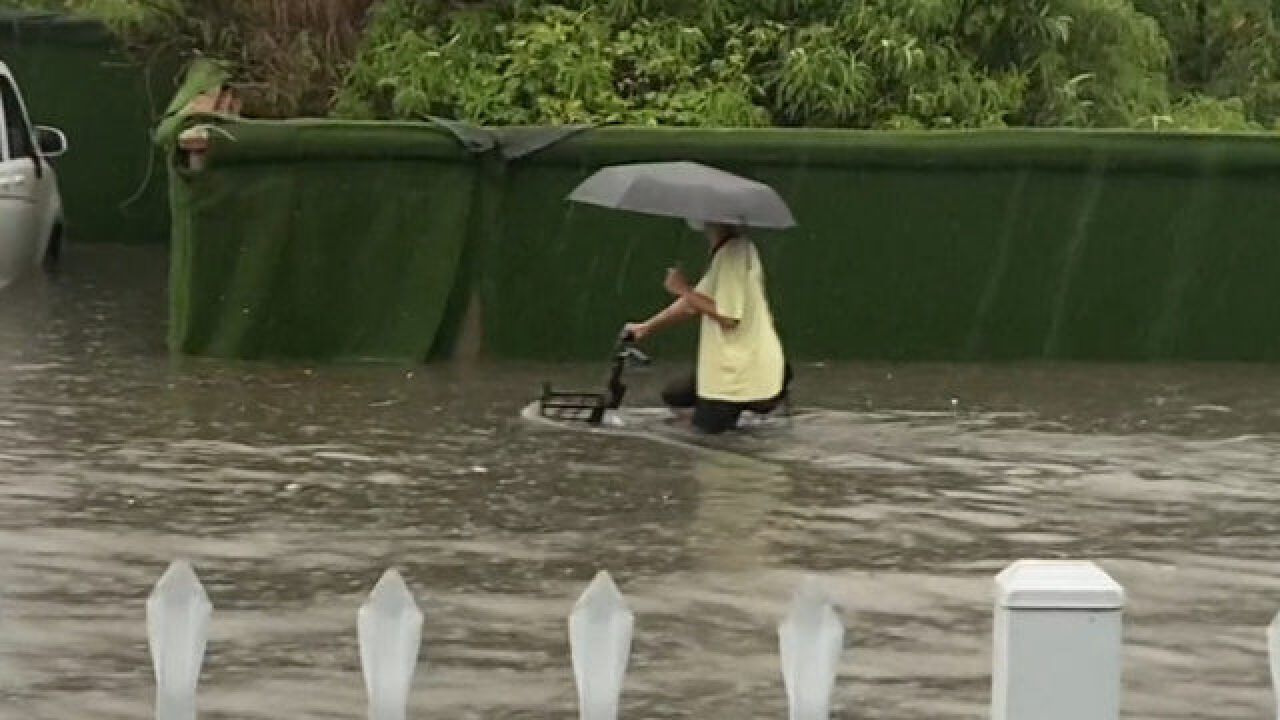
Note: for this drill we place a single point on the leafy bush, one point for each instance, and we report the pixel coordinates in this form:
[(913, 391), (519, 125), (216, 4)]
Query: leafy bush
[(858, 63), (890, 64), (1224, 49), (290, 55)]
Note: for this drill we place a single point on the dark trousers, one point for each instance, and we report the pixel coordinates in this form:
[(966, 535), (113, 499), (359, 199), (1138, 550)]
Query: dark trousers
[(717, 416)]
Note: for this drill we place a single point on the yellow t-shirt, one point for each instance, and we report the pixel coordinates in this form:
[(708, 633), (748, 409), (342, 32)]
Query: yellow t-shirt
[(744, 364)]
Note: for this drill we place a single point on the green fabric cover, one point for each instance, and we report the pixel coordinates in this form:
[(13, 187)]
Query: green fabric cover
[(317, 241), (932, 246), (74, 77), (938, 246)]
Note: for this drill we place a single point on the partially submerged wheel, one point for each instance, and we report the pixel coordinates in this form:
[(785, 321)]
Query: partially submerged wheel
[(53, 253)]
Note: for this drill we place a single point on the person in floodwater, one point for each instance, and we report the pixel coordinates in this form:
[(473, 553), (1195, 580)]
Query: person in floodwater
[(741, 366)]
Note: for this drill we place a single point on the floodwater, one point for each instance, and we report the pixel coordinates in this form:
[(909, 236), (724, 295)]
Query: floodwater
[(292, 488)]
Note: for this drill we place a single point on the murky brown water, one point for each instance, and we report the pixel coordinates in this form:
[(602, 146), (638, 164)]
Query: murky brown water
[(292, 489)]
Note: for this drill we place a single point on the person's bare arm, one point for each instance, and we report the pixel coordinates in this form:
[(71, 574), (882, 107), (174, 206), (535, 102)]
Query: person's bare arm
[(703, 305), (674, 313), (678, 285), (689, 303)]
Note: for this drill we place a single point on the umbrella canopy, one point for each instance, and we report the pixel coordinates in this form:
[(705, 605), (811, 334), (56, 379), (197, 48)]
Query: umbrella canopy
[(686, 190)]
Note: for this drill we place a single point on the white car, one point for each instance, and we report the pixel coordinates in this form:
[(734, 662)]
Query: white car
[(31, 220)]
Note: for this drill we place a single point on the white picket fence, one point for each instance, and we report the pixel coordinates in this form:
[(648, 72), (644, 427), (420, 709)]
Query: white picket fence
[(1056, 654)]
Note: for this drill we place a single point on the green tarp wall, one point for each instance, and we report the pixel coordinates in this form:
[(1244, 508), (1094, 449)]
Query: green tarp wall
[(319, 241), (74, 77), (331, 240)]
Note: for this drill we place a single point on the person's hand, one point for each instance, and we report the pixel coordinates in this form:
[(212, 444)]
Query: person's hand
[(639, 331), (676, 283)]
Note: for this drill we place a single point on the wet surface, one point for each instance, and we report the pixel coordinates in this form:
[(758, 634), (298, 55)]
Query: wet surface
[(292, 488)]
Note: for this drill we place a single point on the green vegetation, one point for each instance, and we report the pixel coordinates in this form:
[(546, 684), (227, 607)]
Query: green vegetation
[(288, 56), (893, 64)]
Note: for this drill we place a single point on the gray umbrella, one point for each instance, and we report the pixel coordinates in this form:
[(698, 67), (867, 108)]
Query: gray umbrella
[(685, 190)]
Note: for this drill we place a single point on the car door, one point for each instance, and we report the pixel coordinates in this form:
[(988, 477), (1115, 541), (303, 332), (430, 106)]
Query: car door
[(20, 185)]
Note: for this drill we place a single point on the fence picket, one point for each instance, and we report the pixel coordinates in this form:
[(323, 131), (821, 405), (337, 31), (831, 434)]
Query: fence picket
[(178, 613), (810, 642), (389, 629), (600, 628)]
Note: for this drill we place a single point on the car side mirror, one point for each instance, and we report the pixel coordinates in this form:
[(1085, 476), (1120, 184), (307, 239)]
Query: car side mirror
[(52, 141)]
